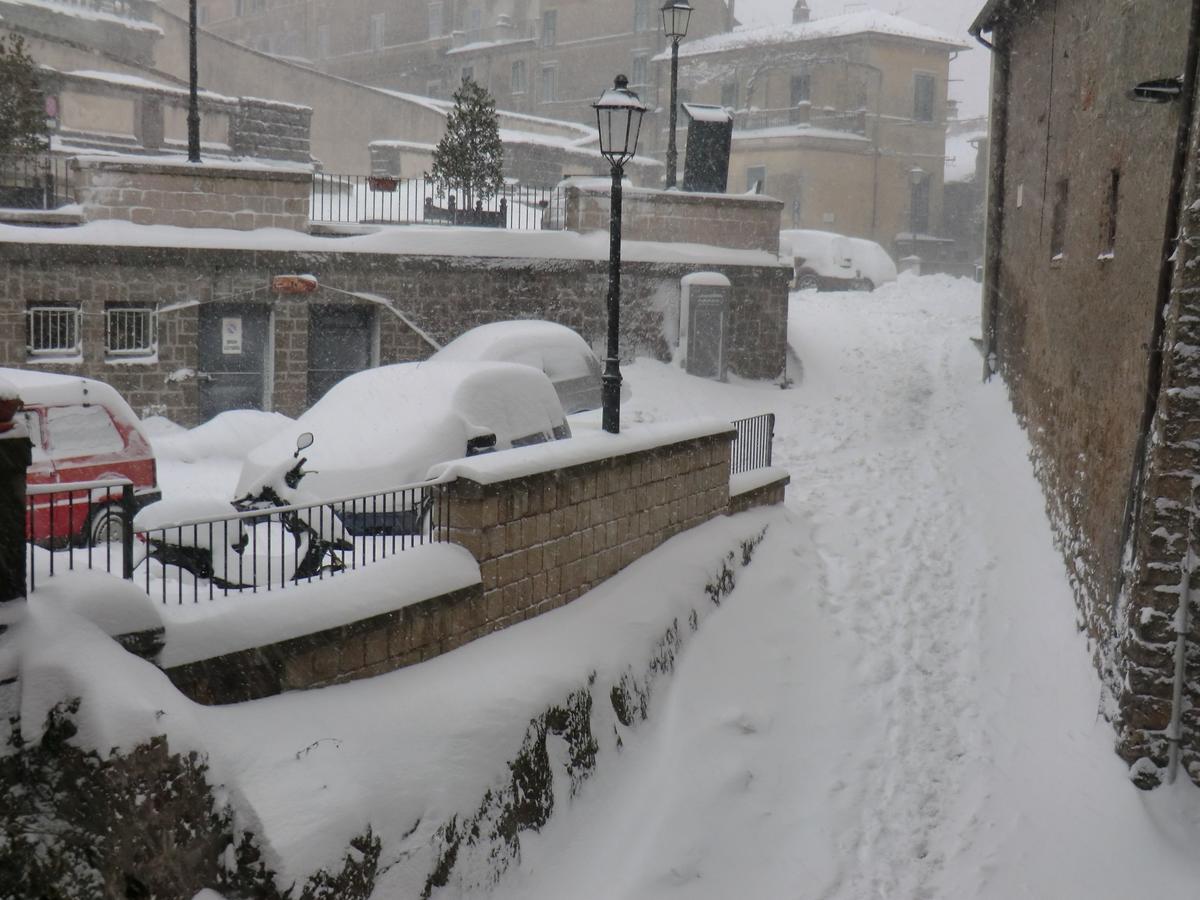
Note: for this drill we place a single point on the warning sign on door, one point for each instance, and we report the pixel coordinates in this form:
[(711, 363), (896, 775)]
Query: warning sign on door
[(231, 336)]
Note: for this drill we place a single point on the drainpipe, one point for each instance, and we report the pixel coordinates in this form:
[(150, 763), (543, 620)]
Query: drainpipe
[(998, 133)]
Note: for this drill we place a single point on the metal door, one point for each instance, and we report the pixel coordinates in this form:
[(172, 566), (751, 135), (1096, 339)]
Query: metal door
[(234, 350), (706, 337), (340, 343)]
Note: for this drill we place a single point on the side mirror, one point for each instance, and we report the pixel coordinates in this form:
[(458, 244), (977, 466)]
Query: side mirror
[(484, 443), (303, 443)]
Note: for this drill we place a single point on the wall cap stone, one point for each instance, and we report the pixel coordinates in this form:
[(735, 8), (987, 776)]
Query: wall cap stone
[(157, 165)]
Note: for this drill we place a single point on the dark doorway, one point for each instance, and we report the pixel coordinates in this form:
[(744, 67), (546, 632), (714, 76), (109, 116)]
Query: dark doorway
[(706, 336), (340, 343), (234, 343)]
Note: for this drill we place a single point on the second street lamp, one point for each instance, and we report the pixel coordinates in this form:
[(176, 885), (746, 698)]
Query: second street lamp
[(619, 120), (676, 14)]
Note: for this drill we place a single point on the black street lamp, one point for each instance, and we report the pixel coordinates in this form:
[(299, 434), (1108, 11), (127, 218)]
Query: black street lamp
[(193, 116), (619, 119), (676, 14)]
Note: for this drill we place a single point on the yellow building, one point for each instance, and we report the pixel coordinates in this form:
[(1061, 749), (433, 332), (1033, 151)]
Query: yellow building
[(842, 118)]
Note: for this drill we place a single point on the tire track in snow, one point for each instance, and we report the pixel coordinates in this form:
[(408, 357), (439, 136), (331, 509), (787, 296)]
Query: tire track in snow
[(874, 472)]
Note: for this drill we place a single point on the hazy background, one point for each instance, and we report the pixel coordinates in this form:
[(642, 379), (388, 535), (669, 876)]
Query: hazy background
[(968, 73)]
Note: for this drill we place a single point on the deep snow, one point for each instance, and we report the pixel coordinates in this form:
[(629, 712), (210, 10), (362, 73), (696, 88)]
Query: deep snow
[(894, 702)]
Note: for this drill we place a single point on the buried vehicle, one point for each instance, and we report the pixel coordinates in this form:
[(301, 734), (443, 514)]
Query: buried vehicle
[(825, 261), (379, 431), (555, 349), (82, 430)]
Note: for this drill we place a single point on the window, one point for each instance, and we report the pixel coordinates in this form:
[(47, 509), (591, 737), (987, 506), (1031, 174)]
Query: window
[(644, 15), (375, 32), (468, 73), (239, 7), (923, 87), (919, 206), (756, 179), (729, 95), (1108, 239), (801, 86), (549, 27), (474, 20), (82, 431), (639, 71), (52, 330), (322, 42), (1058, 219), (518, 82), (130, 330), (33, 427), (201, 14), (437, 25), (549, 84)]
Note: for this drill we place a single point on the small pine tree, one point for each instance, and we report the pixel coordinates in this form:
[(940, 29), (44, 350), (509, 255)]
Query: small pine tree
[(22, 106), (469, 157)]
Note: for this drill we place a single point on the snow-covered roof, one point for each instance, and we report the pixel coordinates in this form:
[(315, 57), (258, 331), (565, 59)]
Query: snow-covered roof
[(139, 82), (798, 131), (855, 23)]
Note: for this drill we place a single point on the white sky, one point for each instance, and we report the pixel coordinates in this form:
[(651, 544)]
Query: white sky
[(968, 73)]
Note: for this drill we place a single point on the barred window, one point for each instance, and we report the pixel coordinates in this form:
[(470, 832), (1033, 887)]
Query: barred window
[(52, 330), (130, 330)]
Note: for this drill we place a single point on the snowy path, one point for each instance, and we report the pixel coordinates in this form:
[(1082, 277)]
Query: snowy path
[(895, 703)]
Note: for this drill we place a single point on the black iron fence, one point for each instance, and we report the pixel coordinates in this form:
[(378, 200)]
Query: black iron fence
[(266, 549), (380, 199), (34, 182), (752, 447), (80, 525)]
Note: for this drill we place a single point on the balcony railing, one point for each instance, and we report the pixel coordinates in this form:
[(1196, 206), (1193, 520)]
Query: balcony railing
[(752, 447)]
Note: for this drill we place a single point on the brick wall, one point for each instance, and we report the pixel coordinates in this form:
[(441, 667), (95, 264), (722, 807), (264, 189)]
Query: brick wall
[(265, 129), (210, 195), (544, 539), (721, 220), (444, 296)]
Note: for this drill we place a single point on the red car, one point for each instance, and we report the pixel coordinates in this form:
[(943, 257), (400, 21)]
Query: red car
[(82, 431)]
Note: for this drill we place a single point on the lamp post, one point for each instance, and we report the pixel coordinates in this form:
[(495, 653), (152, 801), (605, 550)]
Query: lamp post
[(619, 120), (193, 116), (675, 17)]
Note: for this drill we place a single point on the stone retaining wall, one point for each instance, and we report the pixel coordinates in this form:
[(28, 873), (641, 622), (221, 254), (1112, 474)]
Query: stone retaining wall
[(207, 195), (264, 129)]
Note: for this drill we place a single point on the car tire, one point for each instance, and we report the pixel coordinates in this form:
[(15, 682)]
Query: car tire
[(863, 284), (106, 525), (807, 281)]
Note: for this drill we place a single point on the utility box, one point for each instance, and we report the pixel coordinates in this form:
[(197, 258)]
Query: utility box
[(703, 324), (709, 138)]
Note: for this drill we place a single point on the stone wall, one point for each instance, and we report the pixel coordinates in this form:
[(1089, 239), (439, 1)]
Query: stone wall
[(443, 296), (720, 220), (209, 195), (266, 129)]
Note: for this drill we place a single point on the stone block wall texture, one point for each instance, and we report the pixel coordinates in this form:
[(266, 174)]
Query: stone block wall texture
[(266, 129), (1075, 327), (205, 196), (766, 495), (721, 220), (443, 296), (543, 540)]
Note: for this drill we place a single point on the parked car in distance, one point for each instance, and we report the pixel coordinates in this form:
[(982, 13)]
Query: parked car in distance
[(384, 428), (825, 261), (81, 430), (555, 349)]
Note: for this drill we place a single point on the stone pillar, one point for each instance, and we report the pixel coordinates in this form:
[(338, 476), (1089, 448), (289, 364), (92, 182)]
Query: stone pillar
[(15, 456)]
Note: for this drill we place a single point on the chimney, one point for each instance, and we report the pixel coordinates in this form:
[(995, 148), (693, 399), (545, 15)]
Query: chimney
[(800, 12)]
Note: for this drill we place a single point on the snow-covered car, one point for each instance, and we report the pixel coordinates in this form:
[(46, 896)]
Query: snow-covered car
[(384, 428), (81, 430), (826, 261), (555, 349)]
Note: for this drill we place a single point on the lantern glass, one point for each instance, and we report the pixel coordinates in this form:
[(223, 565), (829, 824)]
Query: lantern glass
[(619, 121), (676, 15)]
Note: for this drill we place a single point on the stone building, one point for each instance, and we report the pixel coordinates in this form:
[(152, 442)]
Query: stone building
[(842, 118), (1090, 315)]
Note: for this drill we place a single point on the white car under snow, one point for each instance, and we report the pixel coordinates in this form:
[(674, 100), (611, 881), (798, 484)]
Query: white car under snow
[(825, 261)]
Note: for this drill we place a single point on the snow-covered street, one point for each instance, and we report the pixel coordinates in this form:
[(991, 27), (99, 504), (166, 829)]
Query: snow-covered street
[(897, 702)]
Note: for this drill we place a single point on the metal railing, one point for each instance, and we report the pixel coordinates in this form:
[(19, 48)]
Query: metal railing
[(79, 525), (34, 182), (385, 200), (258, 550), (752, 447)]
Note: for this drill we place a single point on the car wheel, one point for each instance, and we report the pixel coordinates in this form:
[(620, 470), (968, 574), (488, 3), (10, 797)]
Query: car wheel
[(807, 281), (106, 525), (863, 284)]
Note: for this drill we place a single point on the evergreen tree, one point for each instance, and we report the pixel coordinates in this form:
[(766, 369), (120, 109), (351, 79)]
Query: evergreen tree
[(469, 157), (22, 107)]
